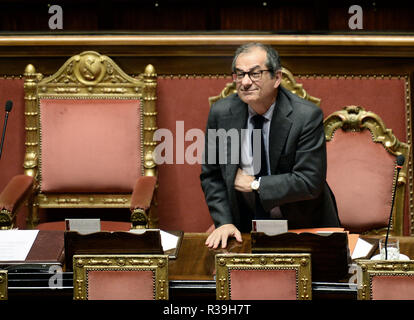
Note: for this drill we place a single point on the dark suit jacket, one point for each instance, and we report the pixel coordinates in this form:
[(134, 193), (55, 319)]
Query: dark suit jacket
[(297, 152)]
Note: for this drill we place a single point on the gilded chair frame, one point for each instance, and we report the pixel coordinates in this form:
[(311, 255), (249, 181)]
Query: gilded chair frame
[(3, 285), (158, 264), (356, 118), (367, 269), (76, 80), (299, 262), (288, 82)]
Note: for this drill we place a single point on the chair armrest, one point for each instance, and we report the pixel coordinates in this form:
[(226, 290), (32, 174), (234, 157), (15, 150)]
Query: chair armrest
[(143, 192), (141, 200), (12, 196)]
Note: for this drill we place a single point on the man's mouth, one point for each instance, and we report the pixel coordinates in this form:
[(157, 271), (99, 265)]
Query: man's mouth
[(248, 90)]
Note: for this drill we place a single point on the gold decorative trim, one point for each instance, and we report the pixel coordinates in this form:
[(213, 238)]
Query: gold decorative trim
[(194, 76), (409, 141), (3, 285), (158, 264), (355, 118), (88, 75), (367, 269), (351, 76), (6, 219), (73, 200), (301, 263), (180, 76), (209, 40), (12, 77), (139, 219), (288, 82)]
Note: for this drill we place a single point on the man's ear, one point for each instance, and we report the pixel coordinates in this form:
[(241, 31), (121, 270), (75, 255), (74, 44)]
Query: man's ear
[(278, 78)]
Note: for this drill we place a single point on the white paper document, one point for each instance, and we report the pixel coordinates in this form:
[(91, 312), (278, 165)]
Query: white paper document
[(168, 240), (270, 227), (16, 244), (362, 249)]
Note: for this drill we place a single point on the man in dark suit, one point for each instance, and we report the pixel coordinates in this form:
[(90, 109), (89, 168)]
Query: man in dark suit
[(289, 180)]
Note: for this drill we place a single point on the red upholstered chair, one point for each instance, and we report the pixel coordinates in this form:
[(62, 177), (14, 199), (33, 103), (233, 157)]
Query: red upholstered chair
[(385, 280), (120, 277), (3, 285), (362, 155), (263, 277), (89, 142)]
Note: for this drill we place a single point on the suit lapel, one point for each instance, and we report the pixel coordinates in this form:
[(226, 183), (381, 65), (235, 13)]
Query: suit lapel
[(279, 128)]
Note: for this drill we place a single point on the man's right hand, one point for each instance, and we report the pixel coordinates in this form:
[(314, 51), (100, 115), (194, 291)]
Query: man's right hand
[(221, 234)]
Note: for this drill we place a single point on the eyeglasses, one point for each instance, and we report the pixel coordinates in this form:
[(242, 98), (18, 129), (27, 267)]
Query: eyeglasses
[(253, 75)]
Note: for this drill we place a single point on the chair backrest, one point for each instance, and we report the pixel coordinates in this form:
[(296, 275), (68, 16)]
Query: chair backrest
[(120, 277), (89, 132), (288, 82), (263, 277), (3, 285), (361, 155), (385, 280)]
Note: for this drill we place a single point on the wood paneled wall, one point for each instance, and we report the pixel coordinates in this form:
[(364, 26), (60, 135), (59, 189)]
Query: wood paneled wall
[(213, 15)]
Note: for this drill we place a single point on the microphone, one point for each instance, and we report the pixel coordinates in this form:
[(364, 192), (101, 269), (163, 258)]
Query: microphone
[(400, 162), (9, 105)]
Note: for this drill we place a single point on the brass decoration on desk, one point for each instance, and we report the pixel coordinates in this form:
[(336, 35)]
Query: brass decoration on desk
[(140, 218), (388, 270), (5, 219), (3, 285), (300, 262), (88, 76), (288, 82), (83, 265)]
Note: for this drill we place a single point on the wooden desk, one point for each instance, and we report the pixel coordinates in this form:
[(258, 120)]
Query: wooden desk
[(191, 274), (196, 262)]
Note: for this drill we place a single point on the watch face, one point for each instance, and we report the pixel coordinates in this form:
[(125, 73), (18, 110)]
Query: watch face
[(255, 185)]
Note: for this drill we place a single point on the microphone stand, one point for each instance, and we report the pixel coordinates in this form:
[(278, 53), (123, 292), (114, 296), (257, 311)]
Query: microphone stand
[(398, 166), (4, 133)]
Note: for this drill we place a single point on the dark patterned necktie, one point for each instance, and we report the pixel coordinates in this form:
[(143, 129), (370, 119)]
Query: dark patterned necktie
[(258, 122)]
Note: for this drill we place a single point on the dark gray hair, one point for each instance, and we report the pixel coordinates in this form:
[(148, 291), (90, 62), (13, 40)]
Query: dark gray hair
[(272, 61)]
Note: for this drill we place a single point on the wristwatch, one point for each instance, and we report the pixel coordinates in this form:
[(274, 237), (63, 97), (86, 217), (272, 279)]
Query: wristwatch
[(255, 184)]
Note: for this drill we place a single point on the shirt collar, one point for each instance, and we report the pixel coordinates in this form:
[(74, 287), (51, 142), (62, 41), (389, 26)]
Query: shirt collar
[(268, 114)]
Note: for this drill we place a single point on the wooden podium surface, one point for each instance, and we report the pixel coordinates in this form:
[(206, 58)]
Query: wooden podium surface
[(196, 262), (47, 249), (191, 274)]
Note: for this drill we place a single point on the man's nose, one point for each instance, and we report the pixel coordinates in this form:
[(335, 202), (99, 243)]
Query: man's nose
[(246, 81)]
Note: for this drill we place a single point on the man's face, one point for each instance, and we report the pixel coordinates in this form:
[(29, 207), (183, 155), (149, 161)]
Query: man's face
[(256, 92)]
